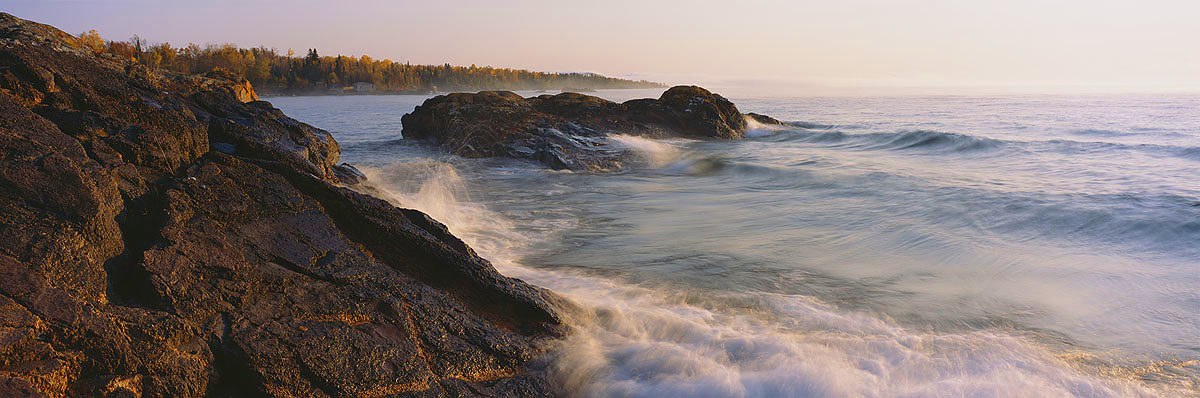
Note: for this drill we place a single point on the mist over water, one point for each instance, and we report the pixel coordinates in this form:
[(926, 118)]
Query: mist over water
[(878, 247)]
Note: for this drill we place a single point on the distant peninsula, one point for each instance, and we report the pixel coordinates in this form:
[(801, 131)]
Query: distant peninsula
[(273, 73)]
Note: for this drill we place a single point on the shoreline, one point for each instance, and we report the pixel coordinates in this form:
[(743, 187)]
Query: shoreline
[(263, 94), (173, 235)]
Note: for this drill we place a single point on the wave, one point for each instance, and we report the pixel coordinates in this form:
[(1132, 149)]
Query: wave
[(1192, 153), (697, 166), (755, 129), (1142, 223), (372, 144), (654, 152), (810, 125), (1137, 223), (1101, 133), (944, 142), (635, 342), (1070, 146), (1156, 132), (631, 341), (753, 126), (927, 140), (668, 157)]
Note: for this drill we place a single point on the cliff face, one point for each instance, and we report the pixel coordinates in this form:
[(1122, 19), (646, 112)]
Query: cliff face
[(170, 236), (565, 131)]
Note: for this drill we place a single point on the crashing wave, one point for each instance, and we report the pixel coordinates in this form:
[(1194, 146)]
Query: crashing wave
[(630, 341)]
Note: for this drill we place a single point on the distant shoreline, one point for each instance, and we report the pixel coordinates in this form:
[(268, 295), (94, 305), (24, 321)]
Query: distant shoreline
[(262, 94)]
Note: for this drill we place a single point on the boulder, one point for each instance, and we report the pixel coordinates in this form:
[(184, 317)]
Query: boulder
[(764, 119), (696, 112), (568, 130), (165, 235)]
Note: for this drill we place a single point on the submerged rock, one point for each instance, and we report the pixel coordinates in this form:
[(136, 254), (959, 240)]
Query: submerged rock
[(169, 235), (566, 131)]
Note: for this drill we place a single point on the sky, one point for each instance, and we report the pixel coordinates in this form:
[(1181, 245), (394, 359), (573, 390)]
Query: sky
[(783, 47)]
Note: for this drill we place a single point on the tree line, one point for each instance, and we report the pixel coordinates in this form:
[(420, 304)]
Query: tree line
[(269, 71)]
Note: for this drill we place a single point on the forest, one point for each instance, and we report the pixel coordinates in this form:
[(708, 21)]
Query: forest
[(274, 73)]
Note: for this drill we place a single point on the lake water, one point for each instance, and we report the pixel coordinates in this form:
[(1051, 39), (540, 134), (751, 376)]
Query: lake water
[(1010, 246)]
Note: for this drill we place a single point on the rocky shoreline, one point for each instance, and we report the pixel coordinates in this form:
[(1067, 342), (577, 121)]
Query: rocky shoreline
[(165, 235), (569, 130)]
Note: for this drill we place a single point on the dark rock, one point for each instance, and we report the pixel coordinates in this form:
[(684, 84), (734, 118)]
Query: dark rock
[(257, 129), (346, 174), (170, 236), (566, 131), (224, 147), (242, 91), (764, 119), (699, 112)]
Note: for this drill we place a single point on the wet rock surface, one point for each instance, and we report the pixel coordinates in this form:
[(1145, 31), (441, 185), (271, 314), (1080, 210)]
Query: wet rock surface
[(171, 236), (568, 130), (764, 119)]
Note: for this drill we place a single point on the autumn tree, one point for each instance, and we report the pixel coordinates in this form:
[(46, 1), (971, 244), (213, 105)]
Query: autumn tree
[(91, 41), (269, 70), (121, 49)]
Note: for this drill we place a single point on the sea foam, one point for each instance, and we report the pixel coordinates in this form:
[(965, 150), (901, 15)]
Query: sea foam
[(632, 341), (654, 152)]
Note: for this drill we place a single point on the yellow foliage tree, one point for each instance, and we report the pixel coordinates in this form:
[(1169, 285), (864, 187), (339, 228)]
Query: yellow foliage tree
[(91, 41)]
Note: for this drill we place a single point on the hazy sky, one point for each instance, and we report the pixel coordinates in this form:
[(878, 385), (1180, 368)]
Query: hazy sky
[(810, 46)]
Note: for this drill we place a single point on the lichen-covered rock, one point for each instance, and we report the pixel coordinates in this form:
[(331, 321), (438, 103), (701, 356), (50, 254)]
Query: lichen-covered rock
[(566, 131), (171, 236)]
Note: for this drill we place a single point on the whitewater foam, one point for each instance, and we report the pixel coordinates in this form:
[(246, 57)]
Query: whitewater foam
[(754, 129), (639, 342), (667, 156), (654, 152)]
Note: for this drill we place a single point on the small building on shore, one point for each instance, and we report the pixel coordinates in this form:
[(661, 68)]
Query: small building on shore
[(364, 87)]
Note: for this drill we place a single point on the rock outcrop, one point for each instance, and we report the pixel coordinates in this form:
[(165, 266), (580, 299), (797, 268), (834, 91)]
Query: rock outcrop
[(566, 131), (764, 119), (171, 236)]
